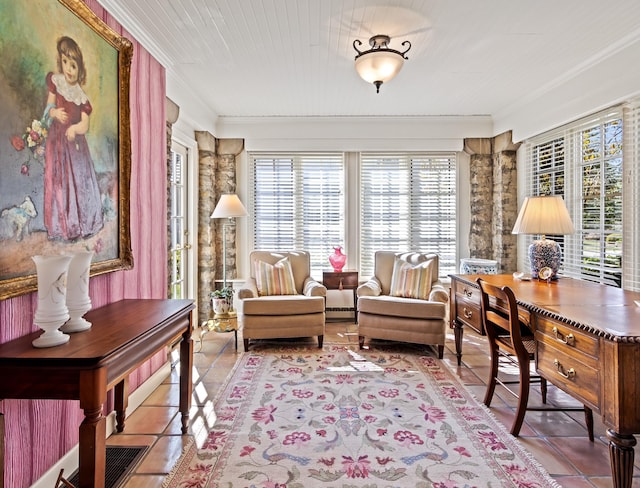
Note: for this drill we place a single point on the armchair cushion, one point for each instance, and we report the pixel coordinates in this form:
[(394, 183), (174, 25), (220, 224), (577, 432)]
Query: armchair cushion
[(411, 281), (274, 279), (389, 306), (282, 305)]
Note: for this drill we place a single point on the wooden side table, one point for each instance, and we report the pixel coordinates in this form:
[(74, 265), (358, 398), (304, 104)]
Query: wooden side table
[(343, 280)]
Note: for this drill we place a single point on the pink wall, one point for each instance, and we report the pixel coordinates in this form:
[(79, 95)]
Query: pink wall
[(40, 432)]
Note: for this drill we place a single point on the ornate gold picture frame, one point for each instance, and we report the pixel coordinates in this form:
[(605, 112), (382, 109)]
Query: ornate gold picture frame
[(65, 142)]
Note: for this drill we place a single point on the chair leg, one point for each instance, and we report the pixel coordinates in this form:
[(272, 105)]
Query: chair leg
[(361, 341), (440, 351), (523, 398), (588, 419), (493, 375), (246, 344), (543, 390), (320, 339)]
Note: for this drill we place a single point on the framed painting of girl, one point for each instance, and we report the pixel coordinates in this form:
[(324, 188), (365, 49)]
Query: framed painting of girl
[(65, 147)]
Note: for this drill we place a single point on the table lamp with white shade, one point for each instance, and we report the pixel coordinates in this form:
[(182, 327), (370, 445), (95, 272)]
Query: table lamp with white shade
[(544, 215), (229, 206)]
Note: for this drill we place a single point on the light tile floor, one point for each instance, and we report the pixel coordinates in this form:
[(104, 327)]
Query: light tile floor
[(558, 440)]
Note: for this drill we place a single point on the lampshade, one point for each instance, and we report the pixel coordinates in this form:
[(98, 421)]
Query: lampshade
[(380, 63), (229, 206), (544, 215)]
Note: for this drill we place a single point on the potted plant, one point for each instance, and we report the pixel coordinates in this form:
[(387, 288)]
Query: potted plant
[(222, 300)]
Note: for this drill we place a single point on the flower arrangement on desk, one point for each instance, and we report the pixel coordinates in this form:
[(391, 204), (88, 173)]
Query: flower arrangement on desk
[(222, 300)]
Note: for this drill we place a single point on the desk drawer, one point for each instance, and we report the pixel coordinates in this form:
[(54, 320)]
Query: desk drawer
[(468, 313), (565, 369), (467, 305), (569, 339), (468, 292)]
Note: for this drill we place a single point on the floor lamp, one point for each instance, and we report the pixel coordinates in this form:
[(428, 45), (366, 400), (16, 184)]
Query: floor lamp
[(229, 206)]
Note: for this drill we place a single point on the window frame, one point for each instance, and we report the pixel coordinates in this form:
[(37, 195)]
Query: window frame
[(569, 183)]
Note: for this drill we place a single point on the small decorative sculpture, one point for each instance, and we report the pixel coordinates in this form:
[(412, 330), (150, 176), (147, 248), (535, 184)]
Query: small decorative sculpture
[(337, 259)]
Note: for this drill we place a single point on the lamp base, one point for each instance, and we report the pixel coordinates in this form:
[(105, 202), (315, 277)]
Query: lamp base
[(545, 253)]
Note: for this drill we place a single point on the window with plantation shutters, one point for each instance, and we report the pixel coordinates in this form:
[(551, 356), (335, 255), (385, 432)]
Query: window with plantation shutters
[(297, 202), (408, 203), (594, 167)]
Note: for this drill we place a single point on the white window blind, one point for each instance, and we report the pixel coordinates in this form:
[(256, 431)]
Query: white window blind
[(583, 162), (408, 203), (297, 202), (631, 197)]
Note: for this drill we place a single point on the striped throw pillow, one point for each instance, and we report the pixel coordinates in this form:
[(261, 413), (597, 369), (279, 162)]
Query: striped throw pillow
[(275, 279), (411, 281)]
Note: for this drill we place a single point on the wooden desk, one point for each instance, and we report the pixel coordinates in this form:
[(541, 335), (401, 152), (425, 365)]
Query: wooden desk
[(124, 334), (587, 344)]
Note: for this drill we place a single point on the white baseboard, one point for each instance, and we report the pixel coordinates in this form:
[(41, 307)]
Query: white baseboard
[(69, 462)]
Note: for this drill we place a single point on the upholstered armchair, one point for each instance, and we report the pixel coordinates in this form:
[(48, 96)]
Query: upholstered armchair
[(281, 299), (404, 300)]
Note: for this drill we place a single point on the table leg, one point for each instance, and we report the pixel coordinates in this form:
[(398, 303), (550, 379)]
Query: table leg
[(92, 445), (121, 393), (621, 454), (186, 365), (1, 450)]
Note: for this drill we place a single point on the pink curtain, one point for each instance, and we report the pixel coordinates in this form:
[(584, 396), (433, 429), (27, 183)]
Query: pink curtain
[(40, 432)]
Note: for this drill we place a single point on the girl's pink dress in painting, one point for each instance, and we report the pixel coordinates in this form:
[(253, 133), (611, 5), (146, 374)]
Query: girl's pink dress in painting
[(72, 203)]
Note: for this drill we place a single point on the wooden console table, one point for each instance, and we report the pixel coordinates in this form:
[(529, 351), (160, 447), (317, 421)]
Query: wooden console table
[(587, 344), (124, 334)]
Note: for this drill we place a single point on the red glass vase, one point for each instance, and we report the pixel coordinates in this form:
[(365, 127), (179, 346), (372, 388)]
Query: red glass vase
[(337, 259)]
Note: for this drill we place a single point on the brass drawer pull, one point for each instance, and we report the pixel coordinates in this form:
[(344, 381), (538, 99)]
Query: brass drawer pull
[(568, 375), (569, 339), (467, 293), (467, 313)]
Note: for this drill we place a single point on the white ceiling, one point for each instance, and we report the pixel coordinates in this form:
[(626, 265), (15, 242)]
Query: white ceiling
[(281, 58)]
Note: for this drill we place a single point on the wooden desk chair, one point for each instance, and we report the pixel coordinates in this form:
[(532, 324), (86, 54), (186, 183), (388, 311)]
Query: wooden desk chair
[(513, 340)]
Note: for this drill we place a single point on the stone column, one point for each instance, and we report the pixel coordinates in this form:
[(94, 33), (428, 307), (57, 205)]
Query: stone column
[(505, 198), (494, 199), (481, 199), (226, 152), (217, 175)]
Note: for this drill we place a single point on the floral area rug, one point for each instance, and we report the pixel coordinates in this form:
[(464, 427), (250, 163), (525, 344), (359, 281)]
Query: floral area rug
[(303, 417)]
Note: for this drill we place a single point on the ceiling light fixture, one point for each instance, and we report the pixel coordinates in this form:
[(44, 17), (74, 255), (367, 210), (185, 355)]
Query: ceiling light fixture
[(380, 63)]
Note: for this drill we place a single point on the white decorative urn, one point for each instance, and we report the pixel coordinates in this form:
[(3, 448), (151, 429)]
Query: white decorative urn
[(52, 310), (78, 300)]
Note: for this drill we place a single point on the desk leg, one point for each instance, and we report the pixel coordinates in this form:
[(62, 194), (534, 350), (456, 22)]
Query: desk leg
[(457, 331), (121, 392), (621, 453), (186, 365), (92, 445), (355, 306)]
